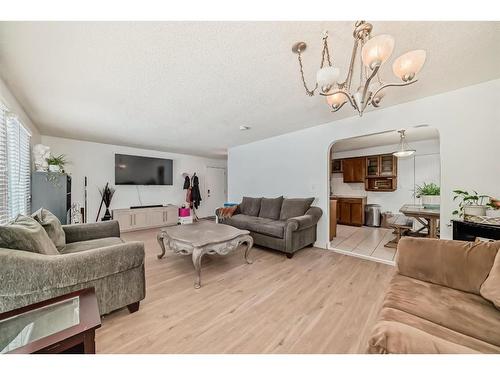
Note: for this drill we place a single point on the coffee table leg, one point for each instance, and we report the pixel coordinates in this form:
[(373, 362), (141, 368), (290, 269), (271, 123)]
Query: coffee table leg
[(159, 237), (249, 242), (197, 255)]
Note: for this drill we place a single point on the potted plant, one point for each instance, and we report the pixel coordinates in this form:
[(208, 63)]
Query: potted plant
[(56, 163), (470, 204), (429, 194), (493, 208)]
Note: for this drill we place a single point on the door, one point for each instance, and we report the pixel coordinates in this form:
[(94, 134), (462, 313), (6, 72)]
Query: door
[(215, 189), (345, 212), (140, 219), (354, 169), (125, 219), (356, 214)]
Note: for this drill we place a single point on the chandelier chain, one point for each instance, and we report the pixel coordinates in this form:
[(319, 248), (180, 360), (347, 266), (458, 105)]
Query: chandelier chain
[(309, 92)]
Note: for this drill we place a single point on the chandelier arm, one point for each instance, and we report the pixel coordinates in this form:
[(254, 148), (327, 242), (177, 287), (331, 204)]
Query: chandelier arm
[(367, 84), (346, 94), (391, 85), (351, 65), (336, 109)]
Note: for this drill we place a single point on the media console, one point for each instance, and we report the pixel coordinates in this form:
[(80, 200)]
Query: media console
[(136, 218)]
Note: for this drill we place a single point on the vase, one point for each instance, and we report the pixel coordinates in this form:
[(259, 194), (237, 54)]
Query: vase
[(431, 201), (490, 212), (474, 210), (54, 168), (107, 215)]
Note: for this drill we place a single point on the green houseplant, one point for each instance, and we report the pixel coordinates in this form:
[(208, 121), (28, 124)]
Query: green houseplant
[(56, 163), (429, 193), (470, 204)]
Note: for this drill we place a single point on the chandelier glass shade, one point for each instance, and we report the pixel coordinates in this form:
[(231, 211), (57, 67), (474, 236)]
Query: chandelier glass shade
[(368, 56)]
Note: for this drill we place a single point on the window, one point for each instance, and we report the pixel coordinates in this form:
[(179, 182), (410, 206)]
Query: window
[(4, 209), (15, 167)]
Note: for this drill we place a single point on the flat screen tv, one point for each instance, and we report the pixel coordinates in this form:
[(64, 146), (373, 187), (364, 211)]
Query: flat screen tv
[(140, 170)]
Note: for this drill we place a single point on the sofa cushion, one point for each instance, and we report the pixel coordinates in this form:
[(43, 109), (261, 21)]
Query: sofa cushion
[(444, 262), (293, 207), (270, 208), (260, 225), (76, 247), (491, 286), (269, 227), (399, 332), (250, 206), (466, 313), (52, 226), (239, 221), (25, 233)]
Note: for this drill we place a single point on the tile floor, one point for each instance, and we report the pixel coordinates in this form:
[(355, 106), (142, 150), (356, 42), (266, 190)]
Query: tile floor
[(366, 241)]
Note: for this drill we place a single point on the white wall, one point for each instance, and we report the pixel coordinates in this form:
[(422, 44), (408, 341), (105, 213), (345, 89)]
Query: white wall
[(295, 164), (426, 166), (13, 105), (97, 162)]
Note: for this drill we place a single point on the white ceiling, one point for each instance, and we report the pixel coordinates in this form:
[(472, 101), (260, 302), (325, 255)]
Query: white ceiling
[(414, 134), (188, 86)]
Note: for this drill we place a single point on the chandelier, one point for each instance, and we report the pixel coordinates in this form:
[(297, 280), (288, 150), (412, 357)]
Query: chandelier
[(404, 149), (371, 53)]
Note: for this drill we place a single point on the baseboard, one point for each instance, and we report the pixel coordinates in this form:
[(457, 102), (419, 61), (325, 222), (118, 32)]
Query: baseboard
[(362, 256)]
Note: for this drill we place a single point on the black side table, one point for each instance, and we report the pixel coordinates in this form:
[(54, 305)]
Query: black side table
[(467, 231)]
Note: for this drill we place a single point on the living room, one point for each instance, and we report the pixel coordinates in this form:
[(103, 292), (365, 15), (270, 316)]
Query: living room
[(161, 194)]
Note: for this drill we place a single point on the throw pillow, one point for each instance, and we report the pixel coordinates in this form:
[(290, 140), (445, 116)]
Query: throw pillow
[(52, 226), (293, 207), (25, 233), (250, 206), (490, 289), (270, 208), (226, 212)]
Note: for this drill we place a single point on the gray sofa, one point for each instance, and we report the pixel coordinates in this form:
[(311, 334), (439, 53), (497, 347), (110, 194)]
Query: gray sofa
[(283, 224), (94, 256)]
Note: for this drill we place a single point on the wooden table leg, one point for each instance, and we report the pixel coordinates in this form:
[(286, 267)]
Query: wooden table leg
[(89, 342), (432, 228)]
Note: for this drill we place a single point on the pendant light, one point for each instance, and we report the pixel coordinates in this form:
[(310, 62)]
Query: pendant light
[(404, 149)]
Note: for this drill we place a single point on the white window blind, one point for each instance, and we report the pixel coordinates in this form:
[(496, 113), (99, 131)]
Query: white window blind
[(4, 209), (19, 167)]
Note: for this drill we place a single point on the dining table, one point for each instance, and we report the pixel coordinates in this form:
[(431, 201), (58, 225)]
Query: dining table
[(428, 217)]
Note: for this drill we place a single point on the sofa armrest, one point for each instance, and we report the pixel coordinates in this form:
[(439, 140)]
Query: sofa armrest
[(455, 264), (91, 231), (309, 219), (26, 272)]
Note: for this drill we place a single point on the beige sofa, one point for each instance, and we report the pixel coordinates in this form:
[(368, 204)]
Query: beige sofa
[(442, 299)]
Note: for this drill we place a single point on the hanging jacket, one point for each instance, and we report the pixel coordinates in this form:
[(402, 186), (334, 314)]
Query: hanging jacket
[(195, 192), (187, 183)]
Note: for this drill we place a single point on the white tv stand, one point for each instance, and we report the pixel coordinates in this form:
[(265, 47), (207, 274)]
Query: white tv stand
[(131, 219)]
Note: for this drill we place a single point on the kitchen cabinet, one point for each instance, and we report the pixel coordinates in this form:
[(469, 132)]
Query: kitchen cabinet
[(350, 210), (381, 165), (354, 169), (337, 166)]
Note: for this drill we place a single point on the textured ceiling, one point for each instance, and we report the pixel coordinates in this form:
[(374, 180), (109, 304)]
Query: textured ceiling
[(188, 86)]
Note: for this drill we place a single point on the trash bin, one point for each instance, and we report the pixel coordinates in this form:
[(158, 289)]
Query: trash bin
[(372, 215)]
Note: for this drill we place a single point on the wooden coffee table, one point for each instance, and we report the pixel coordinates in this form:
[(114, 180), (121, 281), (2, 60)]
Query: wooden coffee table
[(203, 237)]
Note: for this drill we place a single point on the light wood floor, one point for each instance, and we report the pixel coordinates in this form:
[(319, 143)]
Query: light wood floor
[(317, 302), (368, 241)]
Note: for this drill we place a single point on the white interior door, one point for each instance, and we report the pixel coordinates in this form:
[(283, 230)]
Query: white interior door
[(215, 189)]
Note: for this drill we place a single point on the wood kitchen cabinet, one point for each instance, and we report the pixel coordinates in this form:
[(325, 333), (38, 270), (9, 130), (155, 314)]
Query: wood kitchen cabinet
[(354, 169), (350, 211)]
